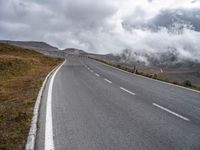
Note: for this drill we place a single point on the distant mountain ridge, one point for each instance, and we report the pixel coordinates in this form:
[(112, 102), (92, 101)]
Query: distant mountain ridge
[(166, 65), (74, 51), (168, 59), (36, 45)]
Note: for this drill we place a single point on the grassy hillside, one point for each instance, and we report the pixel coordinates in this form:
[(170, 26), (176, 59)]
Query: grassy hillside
[(21, 74), (189, 79), (36, 45)]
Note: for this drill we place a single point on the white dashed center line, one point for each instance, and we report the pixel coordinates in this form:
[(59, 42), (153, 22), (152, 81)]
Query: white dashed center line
[(171, 112), (107, 80), (97, 74), (91, 71), (127, 91)]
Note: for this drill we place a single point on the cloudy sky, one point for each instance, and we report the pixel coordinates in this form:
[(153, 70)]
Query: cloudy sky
[(104, 26)]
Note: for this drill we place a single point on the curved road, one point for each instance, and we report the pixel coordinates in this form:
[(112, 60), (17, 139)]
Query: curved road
[(97, 107)]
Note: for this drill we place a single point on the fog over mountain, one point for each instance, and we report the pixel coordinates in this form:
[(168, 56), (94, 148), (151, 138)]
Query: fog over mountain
[(168, 18), (168, 59), (146, 27)]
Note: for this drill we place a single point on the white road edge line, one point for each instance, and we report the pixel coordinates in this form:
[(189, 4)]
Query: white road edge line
[(127, 91), (108, 81), (97, 74), (49, 143), (171, 112), (150, 78), (30, 143)]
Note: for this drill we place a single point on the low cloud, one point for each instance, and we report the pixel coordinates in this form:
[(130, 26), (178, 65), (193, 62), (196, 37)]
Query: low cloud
[(142, 26)]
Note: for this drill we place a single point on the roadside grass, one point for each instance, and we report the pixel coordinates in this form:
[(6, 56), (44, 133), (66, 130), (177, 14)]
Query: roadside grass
[(153, 76), (22, 72)]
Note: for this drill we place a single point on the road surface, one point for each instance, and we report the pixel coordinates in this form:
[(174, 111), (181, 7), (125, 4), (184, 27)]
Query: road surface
[(92, 106)]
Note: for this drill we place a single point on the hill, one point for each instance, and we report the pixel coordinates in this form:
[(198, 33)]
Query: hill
[(162, 66), (41, 47), (21, 74), (74, 51)]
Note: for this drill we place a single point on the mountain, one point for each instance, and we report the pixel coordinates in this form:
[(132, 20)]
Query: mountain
[(41, 47), (183, 17), (38, 46), (74, 51), (167, 65), (174, 20), (168, 59)]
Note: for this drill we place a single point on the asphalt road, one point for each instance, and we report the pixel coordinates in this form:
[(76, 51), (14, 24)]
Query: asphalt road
[(97, 107)]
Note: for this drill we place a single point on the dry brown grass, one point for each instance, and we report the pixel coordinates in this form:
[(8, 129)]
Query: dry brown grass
[(154, 76), (21, 74)]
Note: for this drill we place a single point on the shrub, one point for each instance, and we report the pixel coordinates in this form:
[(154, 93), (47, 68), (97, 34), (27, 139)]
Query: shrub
[(118, 66), (187, 83), (174, 82), (155, 76)]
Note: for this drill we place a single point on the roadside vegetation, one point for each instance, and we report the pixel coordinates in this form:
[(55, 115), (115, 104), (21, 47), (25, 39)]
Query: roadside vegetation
[(186, 83), (22, 72)]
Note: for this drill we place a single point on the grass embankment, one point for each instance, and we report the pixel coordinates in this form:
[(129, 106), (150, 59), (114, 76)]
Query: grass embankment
[(186, 83), (22, 72)]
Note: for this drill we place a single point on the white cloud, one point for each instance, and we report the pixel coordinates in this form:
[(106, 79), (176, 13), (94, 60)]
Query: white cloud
[(102, 26)]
